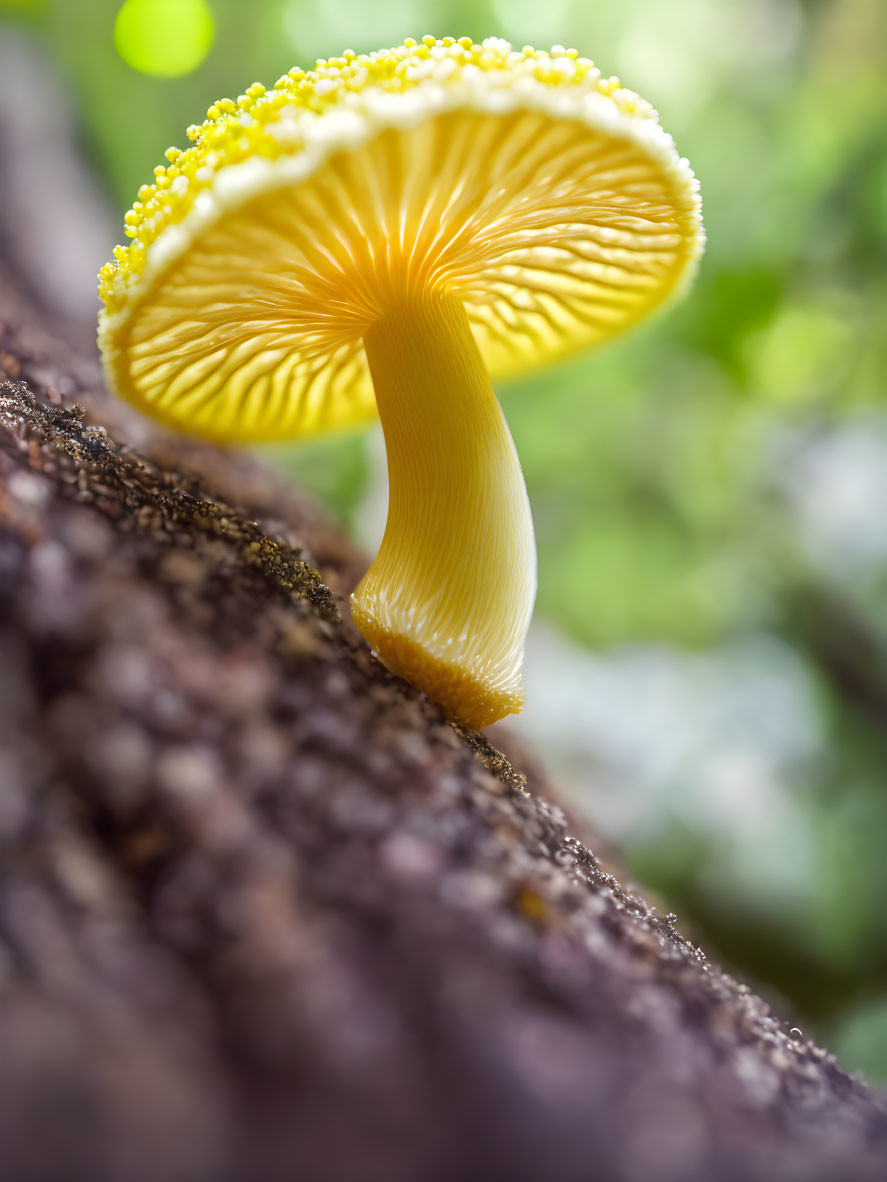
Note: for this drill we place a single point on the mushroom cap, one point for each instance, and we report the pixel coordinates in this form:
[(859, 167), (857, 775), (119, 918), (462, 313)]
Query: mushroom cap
[(545, 196)]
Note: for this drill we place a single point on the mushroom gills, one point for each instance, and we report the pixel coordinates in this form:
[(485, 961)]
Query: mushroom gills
[(447, 602)]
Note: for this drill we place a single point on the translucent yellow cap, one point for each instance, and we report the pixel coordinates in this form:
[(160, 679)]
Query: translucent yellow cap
[(545, 197)]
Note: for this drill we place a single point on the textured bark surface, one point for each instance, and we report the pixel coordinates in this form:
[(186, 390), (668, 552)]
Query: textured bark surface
[(264, 914)]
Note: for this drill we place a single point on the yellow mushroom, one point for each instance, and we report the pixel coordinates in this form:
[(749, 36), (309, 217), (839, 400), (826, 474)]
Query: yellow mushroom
[(389, 232)]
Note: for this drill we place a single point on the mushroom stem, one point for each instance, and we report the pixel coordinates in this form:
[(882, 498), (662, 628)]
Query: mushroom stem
[(447, 601)]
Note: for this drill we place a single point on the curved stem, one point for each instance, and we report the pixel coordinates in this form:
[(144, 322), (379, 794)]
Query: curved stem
[(448, 599)]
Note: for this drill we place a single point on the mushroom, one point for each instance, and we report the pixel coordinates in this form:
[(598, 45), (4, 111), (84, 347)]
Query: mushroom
[(390, 231)]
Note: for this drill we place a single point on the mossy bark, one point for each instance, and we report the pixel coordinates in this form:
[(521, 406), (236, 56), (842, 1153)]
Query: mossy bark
[(264, 914)]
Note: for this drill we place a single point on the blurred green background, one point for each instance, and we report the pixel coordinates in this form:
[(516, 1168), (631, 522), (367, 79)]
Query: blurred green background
[(708, 671)]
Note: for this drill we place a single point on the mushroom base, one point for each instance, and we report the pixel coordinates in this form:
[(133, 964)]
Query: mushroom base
[(464, 698)]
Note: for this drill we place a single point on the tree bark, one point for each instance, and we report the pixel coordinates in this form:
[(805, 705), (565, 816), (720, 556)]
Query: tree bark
[(264, 914)]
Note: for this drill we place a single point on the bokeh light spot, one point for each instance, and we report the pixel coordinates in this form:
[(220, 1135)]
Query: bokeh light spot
[(166, 38)]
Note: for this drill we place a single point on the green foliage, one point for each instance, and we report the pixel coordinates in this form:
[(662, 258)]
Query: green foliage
[(334, 468), (166, 38)]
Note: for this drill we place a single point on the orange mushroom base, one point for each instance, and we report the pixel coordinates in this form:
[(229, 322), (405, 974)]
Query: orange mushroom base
[(462, 697)]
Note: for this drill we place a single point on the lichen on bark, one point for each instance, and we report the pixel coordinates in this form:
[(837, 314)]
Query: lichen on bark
[(260, 904)]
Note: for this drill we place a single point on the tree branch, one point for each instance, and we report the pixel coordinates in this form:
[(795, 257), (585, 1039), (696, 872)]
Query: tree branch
[(265, 914)]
